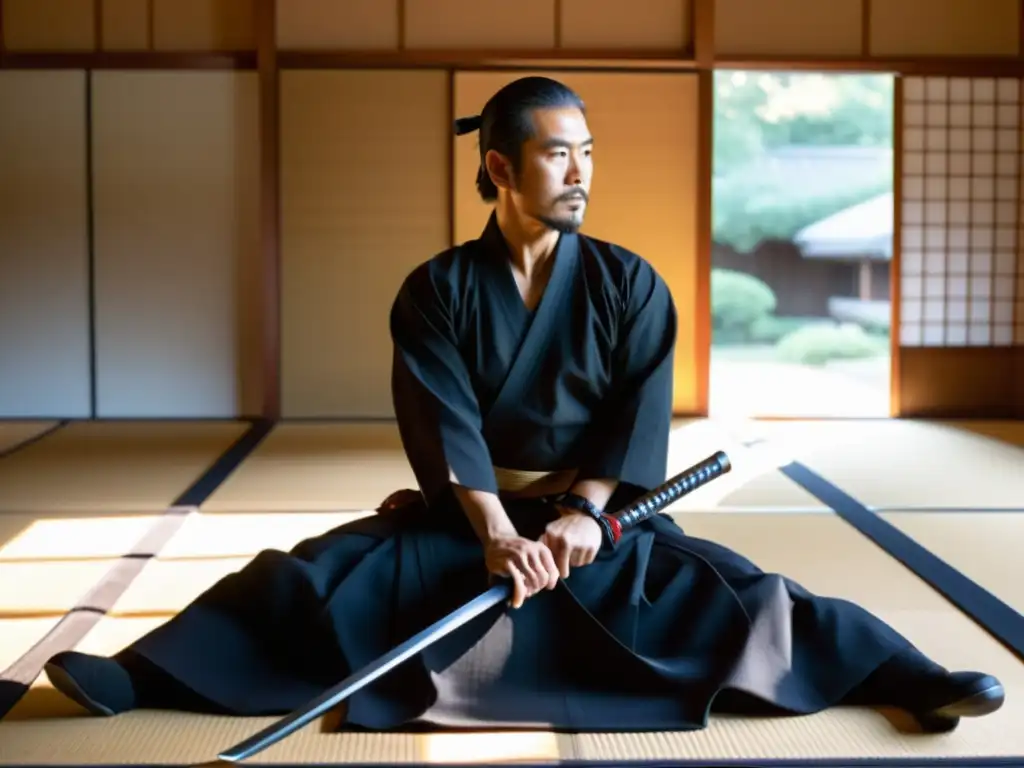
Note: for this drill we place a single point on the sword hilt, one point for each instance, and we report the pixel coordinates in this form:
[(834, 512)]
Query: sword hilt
[(652, 502)]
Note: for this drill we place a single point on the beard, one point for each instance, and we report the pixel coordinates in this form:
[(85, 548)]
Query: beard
[(567, 223)]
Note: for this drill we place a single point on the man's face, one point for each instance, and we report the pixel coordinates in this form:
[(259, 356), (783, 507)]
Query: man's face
[(556, 169)]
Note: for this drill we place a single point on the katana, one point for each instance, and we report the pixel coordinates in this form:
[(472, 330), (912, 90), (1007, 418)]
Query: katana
[(641, 509)]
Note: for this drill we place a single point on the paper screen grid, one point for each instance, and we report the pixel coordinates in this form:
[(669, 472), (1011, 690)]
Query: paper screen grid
[(960, 283)]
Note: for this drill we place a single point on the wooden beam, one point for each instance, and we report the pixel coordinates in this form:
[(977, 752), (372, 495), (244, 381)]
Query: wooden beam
[(704, 54), (953, 66), (483, 59), (133, 60), (704, 32), (602, 60), (1018, 267), (557, 5), (865, 28), (400, 16), (449, 113), (896, 262), (270, 239), (97, 23)]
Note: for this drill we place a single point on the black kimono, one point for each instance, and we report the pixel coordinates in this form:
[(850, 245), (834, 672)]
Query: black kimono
[(648, 637)]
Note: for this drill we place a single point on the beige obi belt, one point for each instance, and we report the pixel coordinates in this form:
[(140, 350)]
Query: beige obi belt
[(527, 483)]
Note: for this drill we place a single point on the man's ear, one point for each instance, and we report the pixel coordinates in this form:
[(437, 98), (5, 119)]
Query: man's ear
[(500, 170)]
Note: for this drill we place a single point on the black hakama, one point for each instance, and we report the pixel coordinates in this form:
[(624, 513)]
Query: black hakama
[(642, 639), (653, 635)]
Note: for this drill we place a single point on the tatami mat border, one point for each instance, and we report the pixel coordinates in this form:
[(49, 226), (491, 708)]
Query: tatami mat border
[(996, 617), (76, 623), (10, 450)]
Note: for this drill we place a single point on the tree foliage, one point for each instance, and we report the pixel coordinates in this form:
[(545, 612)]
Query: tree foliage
[(757, 113)]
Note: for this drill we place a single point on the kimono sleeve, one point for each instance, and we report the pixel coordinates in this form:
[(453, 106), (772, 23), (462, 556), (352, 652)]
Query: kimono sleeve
[(432, 393), (630, 437)]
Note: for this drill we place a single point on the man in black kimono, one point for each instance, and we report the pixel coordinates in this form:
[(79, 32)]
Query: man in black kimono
[(532, 383)]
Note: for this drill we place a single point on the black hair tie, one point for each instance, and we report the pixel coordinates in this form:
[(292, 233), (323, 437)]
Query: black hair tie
[(466, 125)]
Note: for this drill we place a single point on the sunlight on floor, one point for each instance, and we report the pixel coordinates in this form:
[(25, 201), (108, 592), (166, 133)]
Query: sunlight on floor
[(451, 748), (695, 441), (73, 538)]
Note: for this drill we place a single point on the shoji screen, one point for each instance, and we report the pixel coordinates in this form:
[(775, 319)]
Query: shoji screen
[(961, 285)]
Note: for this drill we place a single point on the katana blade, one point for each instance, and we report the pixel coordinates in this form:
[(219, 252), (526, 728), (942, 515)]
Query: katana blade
[(650, 503)]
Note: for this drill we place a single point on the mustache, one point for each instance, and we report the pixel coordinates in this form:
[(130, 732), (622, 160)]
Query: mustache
[(576, 194)]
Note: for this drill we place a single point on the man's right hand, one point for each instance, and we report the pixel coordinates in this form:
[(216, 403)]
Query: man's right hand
[(529, 564)]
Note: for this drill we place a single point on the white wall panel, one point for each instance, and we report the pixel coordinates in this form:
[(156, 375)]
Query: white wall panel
[(44, 269), (177, 243)]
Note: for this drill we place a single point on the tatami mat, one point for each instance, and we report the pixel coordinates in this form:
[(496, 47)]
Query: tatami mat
[(47, 563), (112, 467), (984, 546), (42, 537), (210, 534), (16, 433), (820, 551), (317, 466), (47, 588), (900, 464), (343, 466), (17, 635), (68, 571), (694, 440)]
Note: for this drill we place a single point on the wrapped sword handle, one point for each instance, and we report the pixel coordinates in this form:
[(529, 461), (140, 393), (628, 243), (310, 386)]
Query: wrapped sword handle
[(615, 524)]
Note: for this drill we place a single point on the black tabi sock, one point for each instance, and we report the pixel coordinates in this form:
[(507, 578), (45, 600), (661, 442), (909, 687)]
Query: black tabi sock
[(909, 680)]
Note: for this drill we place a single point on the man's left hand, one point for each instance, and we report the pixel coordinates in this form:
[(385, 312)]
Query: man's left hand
[(398, 499), (574, 539)]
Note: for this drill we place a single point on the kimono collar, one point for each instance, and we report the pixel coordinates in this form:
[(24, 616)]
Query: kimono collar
[(494, 243)]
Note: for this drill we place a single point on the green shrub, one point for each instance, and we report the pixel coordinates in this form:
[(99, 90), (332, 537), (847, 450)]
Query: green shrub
[(818, 344), (877, 329), (770, 329), (738, 301)]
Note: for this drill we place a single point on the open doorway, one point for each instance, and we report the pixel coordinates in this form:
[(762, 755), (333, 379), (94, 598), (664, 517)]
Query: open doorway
[(802, 212)]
